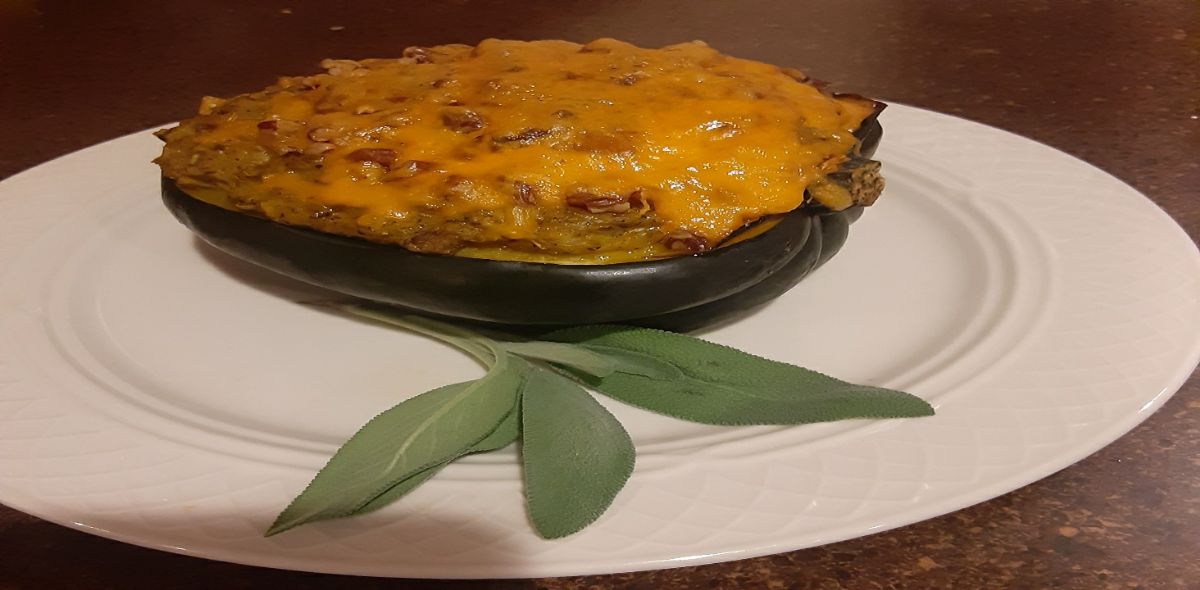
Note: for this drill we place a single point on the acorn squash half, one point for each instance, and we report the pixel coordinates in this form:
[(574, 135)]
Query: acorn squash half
[(533, 183), (679, 293)]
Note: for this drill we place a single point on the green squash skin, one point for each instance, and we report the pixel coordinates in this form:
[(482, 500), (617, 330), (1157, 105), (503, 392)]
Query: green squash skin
[(680, 294), (822, 245)]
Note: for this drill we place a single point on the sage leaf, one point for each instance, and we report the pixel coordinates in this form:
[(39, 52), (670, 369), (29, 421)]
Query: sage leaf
[(721, 385), (576, 456), (505, 434), (567, 355), (595, 360), (635, 363), (413, 436)]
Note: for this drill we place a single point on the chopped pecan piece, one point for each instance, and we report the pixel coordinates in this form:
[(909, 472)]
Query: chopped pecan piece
[(382, 156), (685, 241), (524, 137), (594, 203), (462, 120), (322, 134), (524, 193), (418, 55), (637, 199)]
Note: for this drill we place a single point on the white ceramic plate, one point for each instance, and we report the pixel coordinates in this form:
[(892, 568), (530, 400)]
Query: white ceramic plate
[(160, 393)]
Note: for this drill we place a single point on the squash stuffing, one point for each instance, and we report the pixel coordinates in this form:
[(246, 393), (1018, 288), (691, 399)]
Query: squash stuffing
[(543, 151)]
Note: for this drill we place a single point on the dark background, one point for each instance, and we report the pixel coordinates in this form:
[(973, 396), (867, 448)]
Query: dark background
[(1115, 83)]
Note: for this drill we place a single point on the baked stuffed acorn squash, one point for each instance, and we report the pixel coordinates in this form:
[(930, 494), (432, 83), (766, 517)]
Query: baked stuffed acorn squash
[(534, 183)]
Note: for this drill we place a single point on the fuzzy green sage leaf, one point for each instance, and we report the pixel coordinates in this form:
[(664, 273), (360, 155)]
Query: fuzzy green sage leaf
[(505, 434), (576, 357), (576, 456), (722, 385), (419, 433)]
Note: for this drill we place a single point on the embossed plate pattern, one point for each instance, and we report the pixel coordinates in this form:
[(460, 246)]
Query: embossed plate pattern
[(157, 392)]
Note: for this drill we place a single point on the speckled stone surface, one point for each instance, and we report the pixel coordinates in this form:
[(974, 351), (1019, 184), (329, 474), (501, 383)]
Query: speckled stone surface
[(1115, 83)]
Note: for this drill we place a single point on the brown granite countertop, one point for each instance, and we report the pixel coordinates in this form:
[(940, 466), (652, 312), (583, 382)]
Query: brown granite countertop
[(1115, 83)]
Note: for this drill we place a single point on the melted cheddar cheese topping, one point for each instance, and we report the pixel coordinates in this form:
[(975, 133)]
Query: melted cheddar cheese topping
[(688, 141)]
